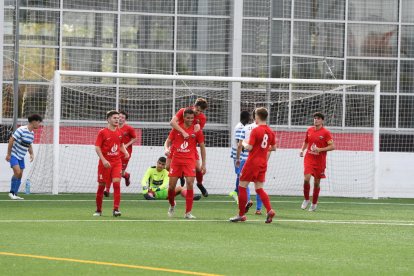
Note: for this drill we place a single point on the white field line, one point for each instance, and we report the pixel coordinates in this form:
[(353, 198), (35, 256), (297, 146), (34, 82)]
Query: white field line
[(354, 222), (209, 201)]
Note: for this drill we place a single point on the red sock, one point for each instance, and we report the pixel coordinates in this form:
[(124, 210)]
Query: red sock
[(189, 201), (265, 199), (117, 195), (99, 197), (199, 177), (171, 197), (242, 200), (107, 187), (315, 194), (306, 189)]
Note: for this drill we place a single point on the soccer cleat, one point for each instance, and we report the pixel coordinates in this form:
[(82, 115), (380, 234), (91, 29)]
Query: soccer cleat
[(16, 197), (189, 216), (270, 216), (234, 195), (127, 177), (312, 208), (305, 204), (258, 212), (238, 219), (171, 211), (12, 196), (116, 213), (202, 189), (248, 205), (97, 214), (106, 193), (197, 197)]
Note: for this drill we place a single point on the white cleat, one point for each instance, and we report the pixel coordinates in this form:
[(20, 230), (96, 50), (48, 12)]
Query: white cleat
[(16, 197), (97, 214), (313, 207), (171, 211), (305, 204), (189, 216), (12, 196)]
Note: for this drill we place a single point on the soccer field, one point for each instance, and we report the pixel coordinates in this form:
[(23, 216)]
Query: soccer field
[(57, 235)]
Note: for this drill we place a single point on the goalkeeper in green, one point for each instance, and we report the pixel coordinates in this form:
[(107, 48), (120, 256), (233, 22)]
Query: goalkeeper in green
[(155, 182)]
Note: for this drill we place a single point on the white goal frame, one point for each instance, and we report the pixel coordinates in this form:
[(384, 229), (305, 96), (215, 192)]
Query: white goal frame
[(235, 105)]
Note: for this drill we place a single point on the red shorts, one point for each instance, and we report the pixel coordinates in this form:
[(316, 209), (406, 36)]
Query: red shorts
[(253, 174), (315, 171), (105, 175), (182, 169)]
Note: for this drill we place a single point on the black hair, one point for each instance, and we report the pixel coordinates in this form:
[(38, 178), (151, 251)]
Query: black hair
[(124, 113), (34, 117), (244, 117), (162, 159), (110, 113), (319, 115)]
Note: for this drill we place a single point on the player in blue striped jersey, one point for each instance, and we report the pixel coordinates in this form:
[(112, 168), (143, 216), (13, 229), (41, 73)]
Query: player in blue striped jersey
[(244, 119), (19, 144)]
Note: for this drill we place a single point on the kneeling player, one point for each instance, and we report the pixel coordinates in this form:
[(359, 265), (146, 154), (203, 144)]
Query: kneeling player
[(184, 160), (155, 183)]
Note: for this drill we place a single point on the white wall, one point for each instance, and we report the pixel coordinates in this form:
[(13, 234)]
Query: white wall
[(349, 173)]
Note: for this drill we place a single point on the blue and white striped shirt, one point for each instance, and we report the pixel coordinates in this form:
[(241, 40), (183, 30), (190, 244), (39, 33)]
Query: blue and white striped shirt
[(238, 134), (23, 138)]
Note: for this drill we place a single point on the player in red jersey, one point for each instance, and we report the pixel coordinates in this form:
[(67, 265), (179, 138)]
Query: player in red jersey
[(109, 146), (184, 160), (129, 136), (318, 141), (199, 122), (261, 142)]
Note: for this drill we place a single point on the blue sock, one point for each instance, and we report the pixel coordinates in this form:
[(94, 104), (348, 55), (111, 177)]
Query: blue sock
[(13, 185), (18, 182), (259, 203), (248, 193), (237, 184)]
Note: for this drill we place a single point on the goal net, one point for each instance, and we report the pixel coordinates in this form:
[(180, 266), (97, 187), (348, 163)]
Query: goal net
[(66, 161)]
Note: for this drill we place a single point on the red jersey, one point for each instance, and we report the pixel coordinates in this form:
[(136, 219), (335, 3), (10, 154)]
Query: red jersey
[(261, 138), (128, 133), (200, 119), (320, 139), (110, 143), (184, 150)]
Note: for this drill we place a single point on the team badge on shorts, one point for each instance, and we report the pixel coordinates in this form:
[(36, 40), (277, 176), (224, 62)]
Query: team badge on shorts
[(320, 137)]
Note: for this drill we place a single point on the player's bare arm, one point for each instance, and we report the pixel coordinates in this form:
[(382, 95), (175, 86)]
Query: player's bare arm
[(246, 145), (9, 148), (331, 146), (133, 140), (174, 124), (238, 152), (31, 153), (104, 161), (203, 158), (302, 150), (167, 146), (124, 151)]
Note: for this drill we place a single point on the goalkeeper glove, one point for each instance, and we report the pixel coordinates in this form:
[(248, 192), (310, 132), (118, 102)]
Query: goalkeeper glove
[(148, 197)]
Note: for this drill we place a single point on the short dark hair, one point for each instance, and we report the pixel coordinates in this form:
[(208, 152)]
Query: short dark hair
[(188, 111), (124, 113), (202, 103), (110, 113), (262, 113), (319, 115), (162, 159), (244, 116), (34, 117)]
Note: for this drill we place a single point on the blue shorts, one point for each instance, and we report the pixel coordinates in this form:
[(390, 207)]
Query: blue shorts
[(239, 169), (14, 161)]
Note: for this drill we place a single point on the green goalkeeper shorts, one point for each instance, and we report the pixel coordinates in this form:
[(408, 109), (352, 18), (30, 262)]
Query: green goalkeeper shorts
[(162, 194)]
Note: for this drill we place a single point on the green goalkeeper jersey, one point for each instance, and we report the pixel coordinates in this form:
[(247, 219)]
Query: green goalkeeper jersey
[(154, 179)]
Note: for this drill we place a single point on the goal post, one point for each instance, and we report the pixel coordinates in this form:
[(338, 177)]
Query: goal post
[(351, 107)]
